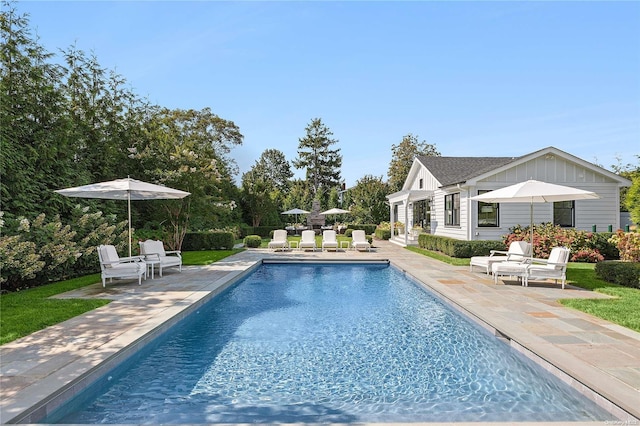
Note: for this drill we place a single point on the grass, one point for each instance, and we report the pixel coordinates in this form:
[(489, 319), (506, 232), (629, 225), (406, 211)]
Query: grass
[(624, 309), (27, 311), (456, 261)]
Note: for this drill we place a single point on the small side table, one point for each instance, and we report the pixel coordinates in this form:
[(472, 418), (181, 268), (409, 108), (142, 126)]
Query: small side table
[(151, 265)]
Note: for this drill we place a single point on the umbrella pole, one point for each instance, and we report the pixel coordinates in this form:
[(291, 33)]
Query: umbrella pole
[(531, 216), (129, 218)]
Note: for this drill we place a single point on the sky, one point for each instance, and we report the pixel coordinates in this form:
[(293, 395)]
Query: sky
[(476, 78)]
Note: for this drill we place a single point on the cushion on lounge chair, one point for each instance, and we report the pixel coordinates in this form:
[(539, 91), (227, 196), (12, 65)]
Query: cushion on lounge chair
[(329, 240), (359, 240), (308, 240), (279, 240), (518, 251)]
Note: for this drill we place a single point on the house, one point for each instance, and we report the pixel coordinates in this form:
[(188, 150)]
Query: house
[(435, 196)]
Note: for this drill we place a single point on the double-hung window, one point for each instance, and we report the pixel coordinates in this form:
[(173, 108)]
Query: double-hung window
[(487, 213), (452, 209), (564, 213)]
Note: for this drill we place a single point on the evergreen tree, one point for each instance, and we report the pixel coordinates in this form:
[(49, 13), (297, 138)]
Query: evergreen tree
[(321, 162)]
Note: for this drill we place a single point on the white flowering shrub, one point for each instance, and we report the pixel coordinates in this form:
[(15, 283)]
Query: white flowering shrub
[(34, 252)]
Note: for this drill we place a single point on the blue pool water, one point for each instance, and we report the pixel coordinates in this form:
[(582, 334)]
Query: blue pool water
[(320, 343)]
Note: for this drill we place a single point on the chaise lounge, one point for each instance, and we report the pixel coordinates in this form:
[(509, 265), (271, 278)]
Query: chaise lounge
[(517, 252), (279, 240)]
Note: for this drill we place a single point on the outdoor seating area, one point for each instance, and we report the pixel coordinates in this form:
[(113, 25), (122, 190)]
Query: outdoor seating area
[(555, 267)]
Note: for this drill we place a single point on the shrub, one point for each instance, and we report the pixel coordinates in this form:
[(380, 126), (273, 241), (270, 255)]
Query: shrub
[(196, 241), (619, 272), (628, 244), (368, 228), (38, 251), (383, 234), (458, 248), (252, 241), (348, 232)]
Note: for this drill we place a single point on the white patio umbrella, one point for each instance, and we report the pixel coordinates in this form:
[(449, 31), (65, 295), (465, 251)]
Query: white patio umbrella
[(295, 212), (124, 189), (533, 191), (335, 210)]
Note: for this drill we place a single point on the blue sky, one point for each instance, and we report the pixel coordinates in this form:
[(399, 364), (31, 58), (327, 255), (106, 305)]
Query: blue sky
[(495, 78)]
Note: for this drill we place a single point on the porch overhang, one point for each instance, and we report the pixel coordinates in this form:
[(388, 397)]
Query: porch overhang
[(405, 198)]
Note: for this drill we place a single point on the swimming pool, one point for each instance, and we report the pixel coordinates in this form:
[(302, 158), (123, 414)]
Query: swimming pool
[(320, 343)]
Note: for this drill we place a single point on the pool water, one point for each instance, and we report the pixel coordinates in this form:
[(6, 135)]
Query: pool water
[(328, 343)]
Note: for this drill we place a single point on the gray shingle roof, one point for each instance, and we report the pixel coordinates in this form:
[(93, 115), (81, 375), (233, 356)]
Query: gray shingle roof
[(452, 170)]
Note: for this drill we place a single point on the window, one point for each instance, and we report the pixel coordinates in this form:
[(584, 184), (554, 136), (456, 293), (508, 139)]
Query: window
[(487, 213), (564, 213), (421, 183), (452, 209)]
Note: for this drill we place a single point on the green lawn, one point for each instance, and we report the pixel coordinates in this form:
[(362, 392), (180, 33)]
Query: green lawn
[(27, 311)]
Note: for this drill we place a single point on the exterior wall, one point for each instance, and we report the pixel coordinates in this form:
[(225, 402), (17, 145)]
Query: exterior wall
[(438, 226), (601, 212)]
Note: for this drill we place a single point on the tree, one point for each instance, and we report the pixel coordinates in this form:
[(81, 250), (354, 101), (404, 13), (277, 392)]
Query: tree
[(315, 154), (37, 152), (402, 156), (368, 200), (257, 196), (274, 168), (186, 149), (632, 200)]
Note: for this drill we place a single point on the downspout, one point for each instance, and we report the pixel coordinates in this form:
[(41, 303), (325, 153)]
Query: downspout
[(469, 215)]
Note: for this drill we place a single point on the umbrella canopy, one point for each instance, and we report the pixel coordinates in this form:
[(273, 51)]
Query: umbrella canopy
[(533, 191), (124, 189), (295, 211), (335, 210)]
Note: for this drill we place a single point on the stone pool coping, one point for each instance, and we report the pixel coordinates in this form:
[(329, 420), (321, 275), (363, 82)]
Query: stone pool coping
[(39, 371)]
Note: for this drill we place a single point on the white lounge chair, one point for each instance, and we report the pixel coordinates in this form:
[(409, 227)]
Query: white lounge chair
[(114, 266), (155, 254), (359, 240), (329, 240), (279, 240), (308, 240), (517, 252), (553, 268)]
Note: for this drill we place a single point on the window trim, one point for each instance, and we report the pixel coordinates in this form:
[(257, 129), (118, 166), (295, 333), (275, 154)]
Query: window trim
[(572, 209), (482, 204), (452, 215)]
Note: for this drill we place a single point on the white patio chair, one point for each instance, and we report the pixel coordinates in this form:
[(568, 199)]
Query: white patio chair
[(279, 240), (329, 240), (308, 240), (113, 266), (517, 252), (155, 254), (359, 240), (553, 268)]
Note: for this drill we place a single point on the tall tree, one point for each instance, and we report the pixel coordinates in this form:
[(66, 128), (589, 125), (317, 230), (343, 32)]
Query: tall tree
[(368, 200), (315, 154), (402, 156), (37, 150)]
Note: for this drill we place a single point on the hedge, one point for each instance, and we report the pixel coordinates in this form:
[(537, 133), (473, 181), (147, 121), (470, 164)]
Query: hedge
[(458, 248), (196, 241), (252, 241), (368, 228), (263, 231), (623, 273), (383, 234)]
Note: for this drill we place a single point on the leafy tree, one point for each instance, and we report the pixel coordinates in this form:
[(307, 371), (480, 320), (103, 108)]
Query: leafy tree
[(263, 187), (299, 196), (274, 168), (632, 200), (37, 150), (187, 149), (402, 156), (368, 200), (631, 172), (315, 154)]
